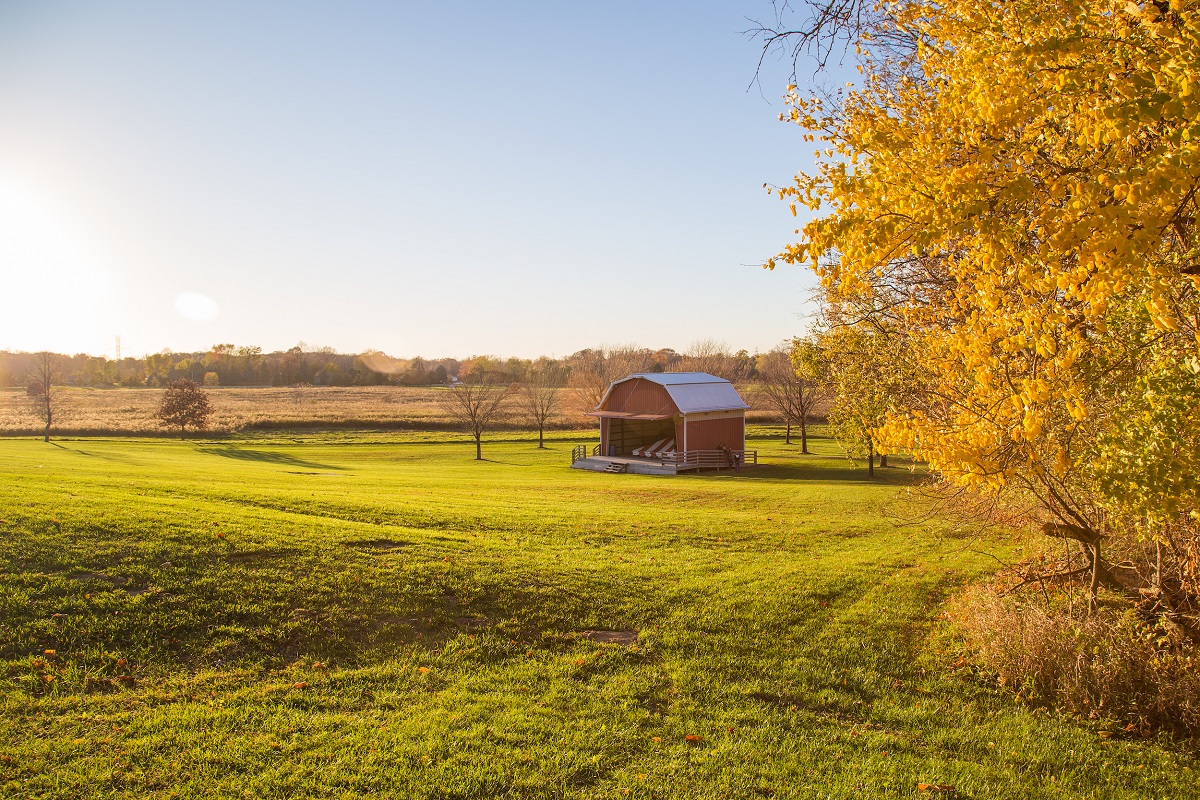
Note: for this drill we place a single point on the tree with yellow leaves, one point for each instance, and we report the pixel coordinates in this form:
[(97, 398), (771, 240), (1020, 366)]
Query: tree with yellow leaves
[(1012, 189), (868, 377)]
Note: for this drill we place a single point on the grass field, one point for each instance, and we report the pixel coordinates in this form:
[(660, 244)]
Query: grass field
[(349, 615), (131, 411)]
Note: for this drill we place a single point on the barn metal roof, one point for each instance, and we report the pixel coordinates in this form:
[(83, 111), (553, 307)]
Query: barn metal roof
[(676, 378), (692, 392)]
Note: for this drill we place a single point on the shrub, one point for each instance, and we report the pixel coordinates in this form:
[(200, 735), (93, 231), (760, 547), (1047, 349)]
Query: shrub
[(1110, 664), (184, 403)]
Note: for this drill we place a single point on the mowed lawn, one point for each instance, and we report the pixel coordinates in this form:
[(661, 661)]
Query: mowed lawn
[(349, 615)]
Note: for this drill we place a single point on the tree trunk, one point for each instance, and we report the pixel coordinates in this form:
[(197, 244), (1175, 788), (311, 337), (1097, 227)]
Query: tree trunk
[(49, 416), (803, 437), (1158, 565), (883, 460), (478, 449), (541, 437), (870, 459), (787, 437), (1095, 578)]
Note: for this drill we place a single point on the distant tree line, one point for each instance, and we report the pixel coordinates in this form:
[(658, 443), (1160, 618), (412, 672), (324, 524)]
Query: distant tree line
[(234, 365), (248, 365)]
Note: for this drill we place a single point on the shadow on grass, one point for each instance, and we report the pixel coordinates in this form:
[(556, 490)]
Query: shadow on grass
[(886, 476), (101, 456), (228, 451)]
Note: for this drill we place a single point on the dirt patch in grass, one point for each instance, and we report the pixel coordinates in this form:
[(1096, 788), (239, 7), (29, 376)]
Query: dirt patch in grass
[(267, 554), (115, 580), (377, 545), (623, 638)]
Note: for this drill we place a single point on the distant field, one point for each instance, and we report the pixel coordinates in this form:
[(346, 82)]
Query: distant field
[(343, 615), (131, 411)]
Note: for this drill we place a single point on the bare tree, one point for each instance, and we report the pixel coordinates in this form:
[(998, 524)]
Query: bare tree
[(825, 31), (788, 382), (705, 355), (43, 381), (540, 393), (476, 406), (713, 357)]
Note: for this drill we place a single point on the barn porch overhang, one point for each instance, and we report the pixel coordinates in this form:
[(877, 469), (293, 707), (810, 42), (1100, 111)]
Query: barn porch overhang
[(627, 415)]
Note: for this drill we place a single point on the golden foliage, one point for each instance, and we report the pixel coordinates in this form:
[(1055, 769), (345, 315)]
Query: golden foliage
[(1015, 198)]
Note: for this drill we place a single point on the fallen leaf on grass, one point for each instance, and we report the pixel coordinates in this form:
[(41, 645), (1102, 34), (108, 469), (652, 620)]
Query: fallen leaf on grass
[(656, 738), (693, 738), (935, 787), (423, 670), (299, 685)]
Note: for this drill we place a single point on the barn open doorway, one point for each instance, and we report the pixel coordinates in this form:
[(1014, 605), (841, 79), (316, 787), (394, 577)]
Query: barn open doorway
[(627, 435)]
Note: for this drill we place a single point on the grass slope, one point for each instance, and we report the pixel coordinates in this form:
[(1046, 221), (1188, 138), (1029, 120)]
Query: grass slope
[(343, 615)]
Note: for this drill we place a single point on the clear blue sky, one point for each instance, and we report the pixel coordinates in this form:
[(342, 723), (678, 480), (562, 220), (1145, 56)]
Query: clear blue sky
[(422, 178)]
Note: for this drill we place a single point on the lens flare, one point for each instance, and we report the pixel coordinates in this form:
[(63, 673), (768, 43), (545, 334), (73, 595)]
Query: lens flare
[(199, 307)]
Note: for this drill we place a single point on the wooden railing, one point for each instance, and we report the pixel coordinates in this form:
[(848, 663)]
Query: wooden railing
[(712, 459), (692, 459)]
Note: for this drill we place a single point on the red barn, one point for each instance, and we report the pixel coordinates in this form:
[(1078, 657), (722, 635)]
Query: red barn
[(671, 421)]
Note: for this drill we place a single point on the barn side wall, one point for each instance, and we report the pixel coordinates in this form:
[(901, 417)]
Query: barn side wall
[(711, 433)]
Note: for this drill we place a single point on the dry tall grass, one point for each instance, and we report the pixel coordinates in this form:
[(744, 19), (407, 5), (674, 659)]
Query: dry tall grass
[(1111, 665), (131, 411)]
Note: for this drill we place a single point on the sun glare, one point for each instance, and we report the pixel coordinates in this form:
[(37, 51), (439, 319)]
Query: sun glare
[(194, 306), (56, 293)]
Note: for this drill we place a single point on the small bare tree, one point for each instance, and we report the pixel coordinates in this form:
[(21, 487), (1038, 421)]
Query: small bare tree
[(184, 403), (42, 384), (476, 406), (713, 357), (788, 380), (540, 394)]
